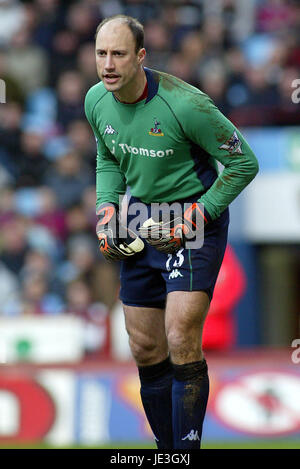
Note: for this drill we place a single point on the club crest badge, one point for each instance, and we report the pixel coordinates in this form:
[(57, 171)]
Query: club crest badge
[(156, 131)]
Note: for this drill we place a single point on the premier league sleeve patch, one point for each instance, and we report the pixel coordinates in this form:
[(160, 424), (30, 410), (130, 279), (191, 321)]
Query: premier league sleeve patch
[(233, 144)]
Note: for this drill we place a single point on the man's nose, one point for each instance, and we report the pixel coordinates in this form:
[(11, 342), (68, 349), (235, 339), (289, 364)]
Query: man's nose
[(109, 63)]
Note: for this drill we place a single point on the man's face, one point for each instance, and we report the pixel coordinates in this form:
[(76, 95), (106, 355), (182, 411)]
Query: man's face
[(116, 58)]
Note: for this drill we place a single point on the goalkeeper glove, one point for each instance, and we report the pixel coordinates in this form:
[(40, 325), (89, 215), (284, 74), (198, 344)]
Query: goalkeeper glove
[(171, 235), (111, 244)]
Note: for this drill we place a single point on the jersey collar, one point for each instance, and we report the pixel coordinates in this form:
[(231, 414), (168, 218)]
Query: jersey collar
[(153, 82)]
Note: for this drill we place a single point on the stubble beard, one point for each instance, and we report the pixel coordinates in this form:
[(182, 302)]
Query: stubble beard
[(123, 85)]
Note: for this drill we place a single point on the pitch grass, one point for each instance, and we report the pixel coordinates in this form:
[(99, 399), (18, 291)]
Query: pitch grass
[(254, 444)]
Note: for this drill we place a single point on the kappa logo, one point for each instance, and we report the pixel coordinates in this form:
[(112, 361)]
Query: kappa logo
[(109, 130), (233, 144), (155, 130), (192, 436), (174, 274)]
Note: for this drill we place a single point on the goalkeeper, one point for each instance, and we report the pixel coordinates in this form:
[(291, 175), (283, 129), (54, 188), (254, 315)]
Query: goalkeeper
[(162, 138)]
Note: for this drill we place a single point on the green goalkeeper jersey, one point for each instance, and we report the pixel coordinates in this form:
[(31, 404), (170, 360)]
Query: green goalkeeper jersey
[(166, 147)]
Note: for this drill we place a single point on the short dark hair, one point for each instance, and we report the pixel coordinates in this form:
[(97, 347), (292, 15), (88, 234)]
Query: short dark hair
[(133, 24)]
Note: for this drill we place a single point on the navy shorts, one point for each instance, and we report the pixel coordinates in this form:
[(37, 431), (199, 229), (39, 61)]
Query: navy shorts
[(149, 276)]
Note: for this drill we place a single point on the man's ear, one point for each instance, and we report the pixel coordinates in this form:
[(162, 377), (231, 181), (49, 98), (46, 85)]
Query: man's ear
[(141, 55)]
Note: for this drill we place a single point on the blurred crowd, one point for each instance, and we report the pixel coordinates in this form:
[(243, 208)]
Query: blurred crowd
[(244, 53)]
